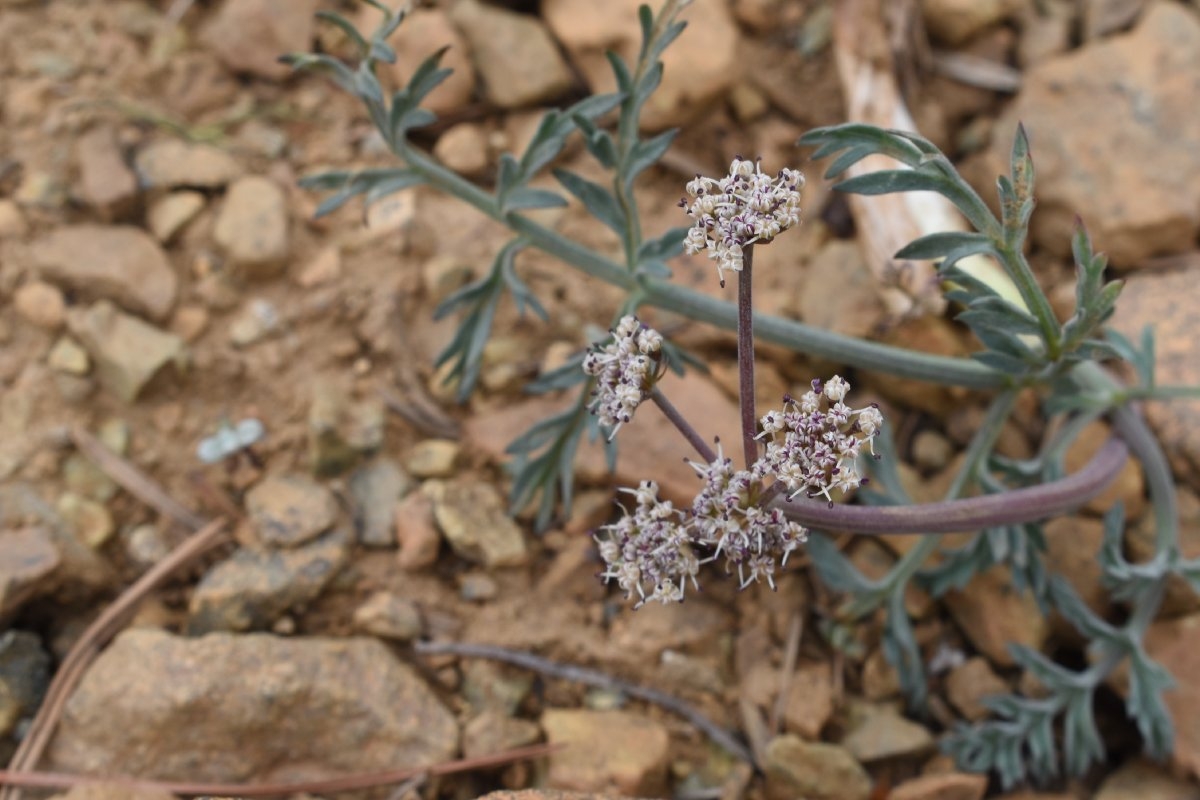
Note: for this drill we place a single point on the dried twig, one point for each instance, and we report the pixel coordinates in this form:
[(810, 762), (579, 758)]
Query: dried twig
[(415, 405), (133, 480), (347, 783), (791, 654), (591, 677), (975, 71)]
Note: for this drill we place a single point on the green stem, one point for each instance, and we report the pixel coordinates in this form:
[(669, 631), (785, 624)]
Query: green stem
[(1035, 299), (1130, 425), (896, 361), (882, 358)]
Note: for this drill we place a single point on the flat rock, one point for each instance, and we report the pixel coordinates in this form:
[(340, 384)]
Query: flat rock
[(1144, 780), (955, 21), (877, 731), (1132, 186), (969, 683), (840, 294), (814, 771), (1072, 548), (433, 458), (253, 588), (944, 786), (119, 263), (1175, 644), (809, 703), (106, 183), (128, 353), (993, 615), (376, 488), (648, 446), (174, 164), (168, 215), (494, 732), (473, 519), (250, 35), (297, 709), (1161, 299), (698, 68), (252, 227), (28, 560), (389, 617), (606, 751), (514, 53), (289, 510), (1129, 487), (39, 556)]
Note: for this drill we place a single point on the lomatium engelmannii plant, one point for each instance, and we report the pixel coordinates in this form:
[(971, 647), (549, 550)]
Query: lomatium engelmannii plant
[(802, 465)]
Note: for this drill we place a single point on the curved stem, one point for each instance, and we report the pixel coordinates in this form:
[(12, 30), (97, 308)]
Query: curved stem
[(1130, 425), (951, 516)]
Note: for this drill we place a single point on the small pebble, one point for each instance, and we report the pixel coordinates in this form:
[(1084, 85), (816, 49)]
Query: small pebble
[(433, 458), (67, 356)]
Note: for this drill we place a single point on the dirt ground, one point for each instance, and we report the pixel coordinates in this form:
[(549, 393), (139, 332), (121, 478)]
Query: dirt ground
[(330, 345)]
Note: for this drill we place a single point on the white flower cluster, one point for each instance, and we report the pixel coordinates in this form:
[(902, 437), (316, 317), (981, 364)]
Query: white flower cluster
[(813, 444), (740, 209), (626, 369), (648, 552), (727, 519), (652, 552)]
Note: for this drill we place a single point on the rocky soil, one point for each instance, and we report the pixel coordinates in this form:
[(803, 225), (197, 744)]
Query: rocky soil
[(165, 287)]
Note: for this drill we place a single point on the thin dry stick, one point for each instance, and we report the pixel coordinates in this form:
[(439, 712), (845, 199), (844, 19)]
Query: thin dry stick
[(347, 783), (791, 654), (104, 628), (133, 480), (591, 677)]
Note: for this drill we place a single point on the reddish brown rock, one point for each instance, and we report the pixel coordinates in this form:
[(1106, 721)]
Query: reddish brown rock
[(105, 181), (1133, 185), (250, 35), (1175, 644), (296, 709), (815, 771), (968, 684), (947, 786), (606, 751), (1129, 487), (1164, 300), (993, 614), (699, 67), (514, 54), (119, 263)]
